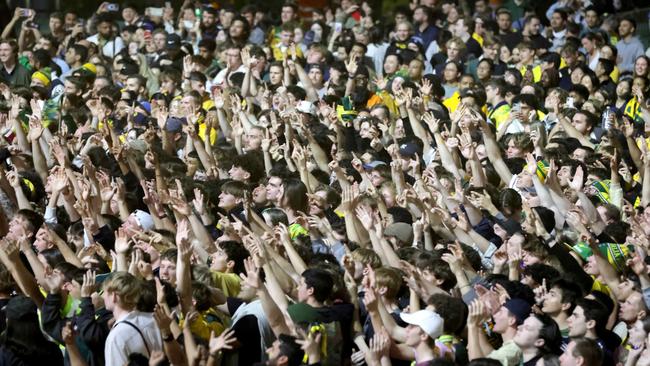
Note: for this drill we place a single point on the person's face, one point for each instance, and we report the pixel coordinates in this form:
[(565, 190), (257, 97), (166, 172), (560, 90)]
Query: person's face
[(225, 17), (557, 23), (70, 89), (238, 173), (317, 203), (513, 150), (104, 29), (70, 56), (577, 323), (399, 17), (591, 18), (625, 287), (274, 189), (450, 73), (504, 22), (237, 29), (623, 90), (580, 123), (167, 271), (625, 28), (453, 51), (5, 52), (316, 76), (159, 40), (528, 333), (42, 241), (287, 14), (587, 44), (418, 16), (414, 335), (567, 358), (227, 201), (579, 154), (55, 24), (415, 69), (391, 64), (233, 57), (209, 20), (109, 300), (502, 320), (303, 291), (275, 75), (402, 32), (253, 139), (553, 302), (133, 85), (129, 14), (526, 55), (483, 71), (534, 26), (286, 37), (629, 311), (219, 260), (70, 20)]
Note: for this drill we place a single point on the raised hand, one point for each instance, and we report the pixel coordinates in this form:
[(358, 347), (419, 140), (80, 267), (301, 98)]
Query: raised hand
[(223, 341), (88, 285)]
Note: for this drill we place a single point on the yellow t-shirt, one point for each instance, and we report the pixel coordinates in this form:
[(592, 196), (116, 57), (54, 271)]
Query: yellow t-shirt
[(228, 283)]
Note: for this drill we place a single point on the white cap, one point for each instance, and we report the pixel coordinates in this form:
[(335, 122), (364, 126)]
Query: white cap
[(430, 322), (306, 107)]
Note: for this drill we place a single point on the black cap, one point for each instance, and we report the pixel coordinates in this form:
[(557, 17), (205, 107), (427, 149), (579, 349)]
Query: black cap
[(20, 308), (173, 41)]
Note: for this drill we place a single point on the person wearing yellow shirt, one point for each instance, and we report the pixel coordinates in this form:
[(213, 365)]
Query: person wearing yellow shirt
[(225, 266), (498, 107), (526, 61), (192, 105), (283, 46)]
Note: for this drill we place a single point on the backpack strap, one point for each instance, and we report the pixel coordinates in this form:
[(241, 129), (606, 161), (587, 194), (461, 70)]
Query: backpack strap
[(139, 332)]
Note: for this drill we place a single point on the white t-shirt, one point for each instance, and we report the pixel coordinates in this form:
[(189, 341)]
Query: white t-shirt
[(111, 48), (124, 340)]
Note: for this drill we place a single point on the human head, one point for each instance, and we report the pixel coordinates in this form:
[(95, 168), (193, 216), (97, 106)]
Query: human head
[(538, 332), (315, 284), (121, 290), (582, 352)]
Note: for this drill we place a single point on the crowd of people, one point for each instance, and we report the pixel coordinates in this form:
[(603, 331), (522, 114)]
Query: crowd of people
[(454, 183)]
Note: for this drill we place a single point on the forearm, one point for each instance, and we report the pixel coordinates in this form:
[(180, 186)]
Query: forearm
[(272, 312), (40, 164)]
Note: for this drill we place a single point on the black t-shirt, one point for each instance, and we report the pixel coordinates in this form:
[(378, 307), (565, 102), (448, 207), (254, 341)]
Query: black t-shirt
[(247, 331)]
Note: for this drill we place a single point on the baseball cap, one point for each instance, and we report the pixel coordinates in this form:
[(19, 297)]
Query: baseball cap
[(173, 41), (373, 164), (519, 308), (174, 124), (129, 68), (430, 322), (408, 149), (144, 219)]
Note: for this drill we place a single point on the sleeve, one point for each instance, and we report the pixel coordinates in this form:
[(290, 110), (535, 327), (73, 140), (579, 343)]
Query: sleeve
[(91, 330), (51, 320)]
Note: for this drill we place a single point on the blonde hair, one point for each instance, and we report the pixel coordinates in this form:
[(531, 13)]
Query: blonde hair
[(367, 256), (126, 286)]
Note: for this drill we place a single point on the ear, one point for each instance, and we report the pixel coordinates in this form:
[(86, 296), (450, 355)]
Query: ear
[(247, 175), (382, 290), (591, 324), (566, 306), (641, 315), (512, 321), (539, 342), (580, 361), (439, 282), (282, 360), (230, 265)]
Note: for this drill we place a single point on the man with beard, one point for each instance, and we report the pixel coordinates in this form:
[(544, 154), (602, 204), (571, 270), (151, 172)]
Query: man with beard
[(109, 44)]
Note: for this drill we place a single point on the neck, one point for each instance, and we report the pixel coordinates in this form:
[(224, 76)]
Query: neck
[(560, 319), (423, 26), (9, 65), (529, 353), (591, 334), (390, 305), (497, 100), (76, 65), (314, 303), (465, 37), (423, 352), (628, 37), (119, 312), (509, 334)]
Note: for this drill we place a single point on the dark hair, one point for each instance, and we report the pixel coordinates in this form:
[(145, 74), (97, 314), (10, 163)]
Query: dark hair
[(235, 252), (484, 362), (321, 281), (452, 309), (550, 333), (295, 195), (594, 310), (570, 292), (540, 272), (291, 349)]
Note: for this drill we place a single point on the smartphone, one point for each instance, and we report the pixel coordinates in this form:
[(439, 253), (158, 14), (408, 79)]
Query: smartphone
[(188, 24), (338, 27), (32, 25), (26, 13), (156, 12), (112, 7), (147, 35)]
